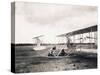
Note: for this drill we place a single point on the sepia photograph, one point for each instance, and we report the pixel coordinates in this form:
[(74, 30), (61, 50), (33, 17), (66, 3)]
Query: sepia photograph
[(53, 37)]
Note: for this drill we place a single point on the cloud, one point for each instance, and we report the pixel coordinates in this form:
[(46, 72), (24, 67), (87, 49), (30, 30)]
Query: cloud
[(33, 19), (46, 14)]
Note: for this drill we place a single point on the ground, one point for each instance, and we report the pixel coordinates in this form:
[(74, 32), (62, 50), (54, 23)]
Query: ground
[(28, 60)]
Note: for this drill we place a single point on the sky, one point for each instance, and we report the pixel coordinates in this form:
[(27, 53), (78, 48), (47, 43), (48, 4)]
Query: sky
[(50, 20)]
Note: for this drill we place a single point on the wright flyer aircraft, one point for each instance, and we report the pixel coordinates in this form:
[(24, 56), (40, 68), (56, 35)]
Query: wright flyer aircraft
[(85, 38)]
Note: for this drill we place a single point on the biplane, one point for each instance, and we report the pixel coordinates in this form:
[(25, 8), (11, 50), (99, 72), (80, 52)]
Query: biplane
[(90, 34), (71, 43), (38, 43)]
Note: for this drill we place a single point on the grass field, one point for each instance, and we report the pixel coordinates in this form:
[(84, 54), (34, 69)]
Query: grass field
[(28, 60)]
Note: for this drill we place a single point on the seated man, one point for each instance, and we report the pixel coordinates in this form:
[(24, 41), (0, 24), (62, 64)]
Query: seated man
[(51, 53), (62, 53)]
